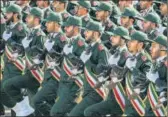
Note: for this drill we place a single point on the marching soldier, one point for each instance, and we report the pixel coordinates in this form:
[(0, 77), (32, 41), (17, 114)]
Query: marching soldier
[(114, 104), (71, 82), (93, 57), (122, 4), (45, 97), (13, 62), (157, 76), (136, 81), (33, 75)]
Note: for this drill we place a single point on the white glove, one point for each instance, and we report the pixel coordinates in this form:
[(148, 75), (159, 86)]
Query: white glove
[(114, 79), (67, 49), (36, 61), (137, 90), (131, 63), (48, 45), (75, 71), (6, 36), (101, 79), (26, 42), (84, 57), (113, 60), (152, 76)]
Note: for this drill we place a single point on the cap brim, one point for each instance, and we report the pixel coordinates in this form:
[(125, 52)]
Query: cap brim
[(127, 37), (96, 9)]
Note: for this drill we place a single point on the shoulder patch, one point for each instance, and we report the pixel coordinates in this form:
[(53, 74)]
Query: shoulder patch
[(62, 38), (166, 63), (80, 43), (38, 33), (65, 15), (86, 18), (20, 28), (144, 58), (126, 54), (100, 47), (110, 24)]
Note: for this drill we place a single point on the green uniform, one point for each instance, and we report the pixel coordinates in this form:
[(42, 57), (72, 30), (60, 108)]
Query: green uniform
[(68, 89), (45, 98)]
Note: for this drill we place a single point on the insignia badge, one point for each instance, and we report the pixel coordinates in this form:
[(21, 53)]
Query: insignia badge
[(80, 43), (2, 20), (166, 63), (126, 54), (62, 38), (86, 19), (20, 28), (66, 15), (110, 24), (144, 58), (38, 33), (100, 47)]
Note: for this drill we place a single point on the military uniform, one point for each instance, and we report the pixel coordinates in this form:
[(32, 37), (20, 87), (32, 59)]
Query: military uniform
[(136, 83), (94, 57), (33, 75), (69, 87), (110, 104), (45, 97)]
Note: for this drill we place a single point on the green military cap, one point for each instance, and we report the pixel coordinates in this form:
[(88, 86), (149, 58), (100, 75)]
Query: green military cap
[(94, 26), (161, 1), (85, 4), (63, 1), (139, 36), (14, 8), (120, 31), (55, 17), (130, 12), (103, 7), (73, 21), (161, 39), (152, 17), (35, 11)]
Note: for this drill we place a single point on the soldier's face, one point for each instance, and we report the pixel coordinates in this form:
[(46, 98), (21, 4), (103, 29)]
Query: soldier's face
[(80, 10), (133, 46), (164, 9), (124, 3), (58, 6), (30, 21), (69, 31), (145, 3), (88, 34), (99, 15), (124, 21), (155, 50), (40, 3), (146, 25), (50, 26), (9, 16), (115, 40), (21, 2)]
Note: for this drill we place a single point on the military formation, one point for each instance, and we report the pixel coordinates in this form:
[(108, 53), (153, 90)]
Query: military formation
[(84, 58)]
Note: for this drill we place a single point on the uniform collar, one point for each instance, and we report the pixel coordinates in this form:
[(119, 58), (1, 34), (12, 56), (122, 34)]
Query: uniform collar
[(160, 59)]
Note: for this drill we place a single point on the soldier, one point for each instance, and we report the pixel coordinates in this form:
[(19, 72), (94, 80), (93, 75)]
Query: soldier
[(136, 82), (45, 97), (128, 18), (111, 105), (150, 24), (33, 75), (93, 57), (157, 76), (122, 4), (12, 36), (69, 87)]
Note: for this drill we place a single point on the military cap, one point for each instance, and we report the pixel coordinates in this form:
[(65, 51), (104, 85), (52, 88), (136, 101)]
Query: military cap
[(120, 31), (139, 36), (35, 11), (85, 4), (63, 1), (130, 12), (55, 17), (103, 7), (73, 21), (161, 1), (152, 17), (94, 26), (161, 39), (14, 8)]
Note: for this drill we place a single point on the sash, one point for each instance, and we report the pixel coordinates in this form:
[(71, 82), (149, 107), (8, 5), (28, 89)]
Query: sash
[(55, 72), (19, 62), (136, 102), (67, 65), (37, 73), (153, 99), (92, 80)]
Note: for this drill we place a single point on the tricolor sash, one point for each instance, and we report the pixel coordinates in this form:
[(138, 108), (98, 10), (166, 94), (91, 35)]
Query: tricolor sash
[(92, 80), (136, 102), (67, 65), (153, 99), (37, 73), (55, 72), (19, 62), (119, 94)]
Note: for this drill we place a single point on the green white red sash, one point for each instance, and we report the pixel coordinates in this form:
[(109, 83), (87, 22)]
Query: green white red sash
[(67, 65), (37, 73), (119, 94), (91, 78), (19, 62), (153, 99), (137, 102), (55, 72)]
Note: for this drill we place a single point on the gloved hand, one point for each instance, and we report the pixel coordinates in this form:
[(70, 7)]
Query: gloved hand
[(48, 44), (67, 50), (137, 90), (6, 35), (113, 60), (84, 57), (76, 71), (131, 63), (152, 76), (37, 61), (26, 42)]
